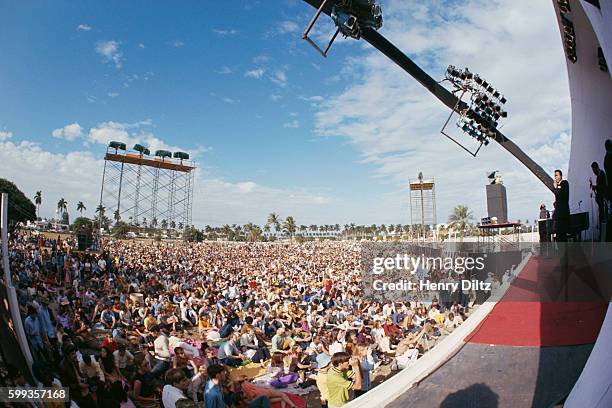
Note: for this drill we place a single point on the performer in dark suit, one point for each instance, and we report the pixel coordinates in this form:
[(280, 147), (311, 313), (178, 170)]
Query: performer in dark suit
[(608, 171), (608, 166), (562, 210), (601, 191)]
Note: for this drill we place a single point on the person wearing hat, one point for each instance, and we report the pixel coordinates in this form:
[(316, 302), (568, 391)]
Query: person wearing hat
[(323, 361)]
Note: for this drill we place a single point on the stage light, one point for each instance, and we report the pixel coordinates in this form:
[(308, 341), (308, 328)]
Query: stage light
[(564, 6), (569, 39), (117, 145), (502, 99)]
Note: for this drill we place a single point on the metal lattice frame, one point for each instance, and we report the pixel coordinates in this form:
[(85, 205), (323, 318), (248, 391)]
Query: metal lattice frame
[(143, 190), (423, 203)]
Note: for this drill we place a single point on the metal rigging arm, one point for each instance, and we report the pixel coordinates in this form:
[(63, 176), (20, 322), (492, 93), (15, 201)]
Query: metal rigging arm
[(372, 36)]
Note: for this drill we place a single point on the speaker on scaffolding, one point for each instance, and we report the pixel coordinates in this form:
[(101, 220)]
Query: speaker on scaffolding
[(84, 240), (497, 205)]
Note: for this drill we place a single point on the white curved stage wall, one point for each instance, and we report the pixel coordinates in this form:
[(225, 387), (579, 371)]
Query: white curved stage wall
[(591, 97)]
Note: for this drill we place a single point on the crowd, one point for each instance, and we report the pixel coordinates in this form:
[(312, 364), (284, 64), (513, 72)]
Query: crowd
[(212, 324)]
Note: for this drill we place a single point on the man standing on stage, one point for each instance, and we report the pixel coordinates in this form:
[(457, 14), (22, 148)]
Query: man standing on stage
[(562, 211), (608, 170), (601, 191)]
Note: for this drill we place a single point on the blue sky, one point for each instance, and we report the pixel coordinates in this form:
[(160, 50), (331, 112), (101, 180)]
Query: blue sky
[(272, 125)]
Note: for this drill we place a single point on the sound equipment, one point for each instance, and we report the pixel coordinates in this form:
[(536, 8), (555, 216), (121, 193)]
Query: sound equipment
[(578, 222), (497, 205), (84, 241)]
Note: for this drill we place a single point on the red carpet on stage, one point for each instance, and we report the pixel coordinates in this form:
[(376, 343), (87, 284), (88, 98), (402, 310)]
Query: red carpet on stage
[(526, 316)]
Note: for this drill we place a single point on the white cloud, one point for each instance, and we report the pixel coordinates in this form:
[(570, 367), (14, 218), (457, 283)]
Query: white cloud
[(141, 45), (84, 27), (261, 60), (314, 98), (230, 100), (225, 70), (110, 51), (135, 133), (394, 122), (288, 26), (69, 132), (5, 135), (276, 97), (176, 43), (224, 32), (216, 201), (294, 124), (279, 78), (255, 73)]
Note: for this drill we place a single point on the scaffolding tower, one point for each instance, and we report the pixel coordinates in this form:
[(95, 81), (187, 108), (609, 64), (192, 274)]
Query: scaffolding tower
[(422, 203), (144, 190)]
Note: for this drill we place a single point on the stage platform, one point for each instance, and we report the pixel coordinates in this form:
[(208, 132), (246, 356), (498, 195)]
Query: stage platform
[(490, 376), (528, 351)]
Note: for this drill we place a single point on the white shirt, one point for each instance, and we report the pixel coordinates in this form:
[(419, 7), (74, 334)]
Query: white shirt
[(170, 395), (336, 347), (162, 351), (122, 360)]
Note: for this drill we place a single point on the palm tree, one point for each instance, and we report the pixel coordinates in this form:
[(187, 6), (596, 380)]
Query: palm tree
[(289, 226), (101, 209), (81, 207), (227, 231), (460, 219), (38, 202), (274, 221), (117, 215), (173, 224), (251, 231), (154, 222), (62, 205), (164, 223), (144, 222)]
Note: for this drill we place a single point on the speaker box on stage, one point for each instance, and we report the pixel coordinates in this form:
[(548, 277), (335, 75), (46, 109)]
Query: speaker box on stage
[(84, 241), (497, 205)]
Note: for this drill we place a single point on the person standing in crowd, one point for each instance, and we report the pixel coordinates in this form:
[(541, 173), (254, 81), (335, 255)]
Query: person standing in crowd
[(36, 335), (343, 378), (562, 210), (600, 188), (45, 315)]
